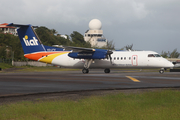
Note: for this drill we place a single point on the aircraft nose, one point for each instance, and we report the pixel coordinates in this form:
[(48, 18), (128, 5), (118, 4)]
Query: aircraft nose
[(170, 64)]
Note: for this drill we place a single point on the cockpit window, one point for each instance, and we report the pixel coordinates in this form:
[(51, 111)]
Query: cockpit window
[(154, 55), (151, 55), (157, 55)]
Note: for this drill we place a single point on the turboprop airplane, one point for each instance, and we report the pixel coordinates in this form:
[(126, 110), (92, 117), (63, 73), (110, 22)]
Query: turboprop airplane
[(85, 58)]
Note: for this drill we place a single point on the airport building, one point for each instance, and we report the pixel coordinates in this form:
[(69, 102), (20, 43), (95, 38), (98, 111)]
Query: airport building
[(95, 35), (8, 29)]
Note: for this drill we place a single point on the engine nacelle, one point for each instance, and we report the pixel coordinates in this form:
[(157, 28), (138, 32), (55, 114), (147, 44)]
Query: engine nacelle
[(88, 55)]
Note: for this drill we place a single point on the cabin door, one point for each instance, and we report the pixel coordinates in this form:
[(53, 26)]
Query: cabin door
[(134, 60)]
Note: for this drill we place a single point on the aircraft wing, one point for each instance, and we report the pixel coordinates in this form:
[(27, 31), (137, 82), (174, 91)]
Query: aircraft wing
[(75, 49), (86, 53), (79, 49)]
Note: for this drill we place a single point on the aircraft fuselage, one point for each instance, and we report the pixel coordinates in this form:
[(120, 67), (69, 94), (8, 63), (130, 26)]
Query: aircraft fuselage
[(119, 59)]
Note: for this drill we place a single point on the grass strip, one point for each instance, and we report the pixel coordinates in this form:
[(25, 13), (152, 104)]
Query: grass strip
[(43, 69), (5, 65), (159, 105)]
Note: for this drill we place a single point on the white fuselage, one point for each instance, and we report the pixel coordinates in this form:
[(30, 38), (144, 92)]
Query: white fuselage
[(119, 59)]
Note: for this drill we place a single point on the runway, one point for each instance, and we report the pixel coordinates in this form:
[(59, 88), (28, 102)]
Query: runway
[(45, 82)]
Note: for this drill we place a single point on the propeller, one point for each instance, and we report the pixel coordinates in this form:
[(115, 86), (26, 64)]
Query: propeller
[(109, 55)]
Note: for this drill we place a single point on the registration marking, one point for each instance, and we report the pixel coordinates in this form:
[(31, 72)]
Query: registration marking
[(133, 79)]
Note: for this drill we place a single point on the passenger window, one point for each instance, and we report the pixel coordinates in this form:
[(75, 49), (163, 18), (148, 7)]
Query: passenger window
[(124, 58), (114, 58), (117, 58), (121, 58), (129, 58)]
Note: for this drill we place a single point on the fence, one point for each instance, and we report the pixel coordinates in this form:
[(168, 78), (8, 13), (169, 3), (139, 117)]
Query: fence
[(23, 63), (2, 60), (31, 63)]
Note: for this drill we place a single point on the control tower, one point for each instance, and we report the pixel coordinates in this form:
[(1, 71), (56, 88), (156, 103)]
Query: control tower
[(95, 35)]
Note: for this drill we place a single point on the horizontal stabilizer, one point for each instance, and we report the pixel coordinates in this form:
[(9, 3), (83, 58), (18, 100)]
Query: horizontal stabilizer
[(20, 25)]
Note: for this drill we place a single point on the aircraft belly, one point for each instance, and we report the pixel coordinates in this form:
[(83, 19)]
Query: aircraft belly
[(66, 61), (48, 57), (101, 64), (122, 64), (61, 60), (77, 63)]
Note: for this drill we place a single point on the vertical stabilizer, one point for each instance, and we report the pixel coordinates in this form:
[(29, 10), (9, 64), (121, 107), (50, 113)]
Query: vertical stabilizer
[(29, 39)]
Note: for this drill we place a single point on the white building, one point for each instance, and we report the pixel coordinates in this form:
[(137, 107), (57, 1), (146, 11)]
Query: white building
[(64, 36), (8, 29), (95, 35)]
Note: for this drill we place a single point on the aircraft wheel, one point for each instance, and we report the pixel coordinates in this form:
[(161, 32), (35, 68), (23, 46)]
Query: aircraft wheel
[(85, 71), (161, 71), (107, 70)]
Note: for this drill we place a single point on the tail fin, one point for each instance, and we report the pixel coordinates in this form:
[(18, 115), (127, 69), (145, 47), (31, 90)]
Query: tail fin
[(29, 39)]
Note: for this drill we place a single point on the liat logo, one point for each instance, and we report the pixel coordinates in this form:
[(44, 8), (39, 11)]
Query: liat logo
[(32, 42)]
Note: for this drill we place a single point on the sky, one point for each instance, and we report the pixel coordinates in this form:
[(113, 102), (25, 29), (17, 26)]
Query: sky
[(147, 24)]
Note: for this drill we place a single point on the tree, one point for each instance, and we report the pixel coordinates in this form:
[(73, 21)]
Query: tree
[(47, 37), (2, 52), (110, 45), (78, 40), (173, 54), (1, 31), (53, 31), (164, 54), (11, 43), (128, 47)]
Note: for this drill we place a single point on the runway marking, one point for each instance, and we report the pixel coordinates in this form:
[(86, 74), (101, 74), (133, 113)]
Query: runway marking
[(133, 79)]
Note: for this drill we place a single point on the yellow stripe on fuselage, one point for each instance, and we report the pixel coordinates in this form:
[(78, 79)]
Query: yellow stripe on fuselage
[(49, 58)]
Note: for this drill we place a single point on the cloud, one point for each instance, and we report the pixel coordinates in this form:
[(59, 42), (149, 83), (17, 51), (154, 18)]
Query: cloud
[(124, 21), (139, 10)]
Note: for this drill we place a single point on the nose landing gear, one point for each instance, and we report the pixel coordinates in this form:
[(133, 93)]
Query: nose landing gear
[(161, 71)]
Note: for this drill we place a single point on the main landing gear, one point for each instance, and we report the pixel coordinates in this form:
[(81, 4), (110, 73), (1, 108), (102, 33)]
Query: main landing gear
[(107, 70), (86, 66), (84, 70)]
